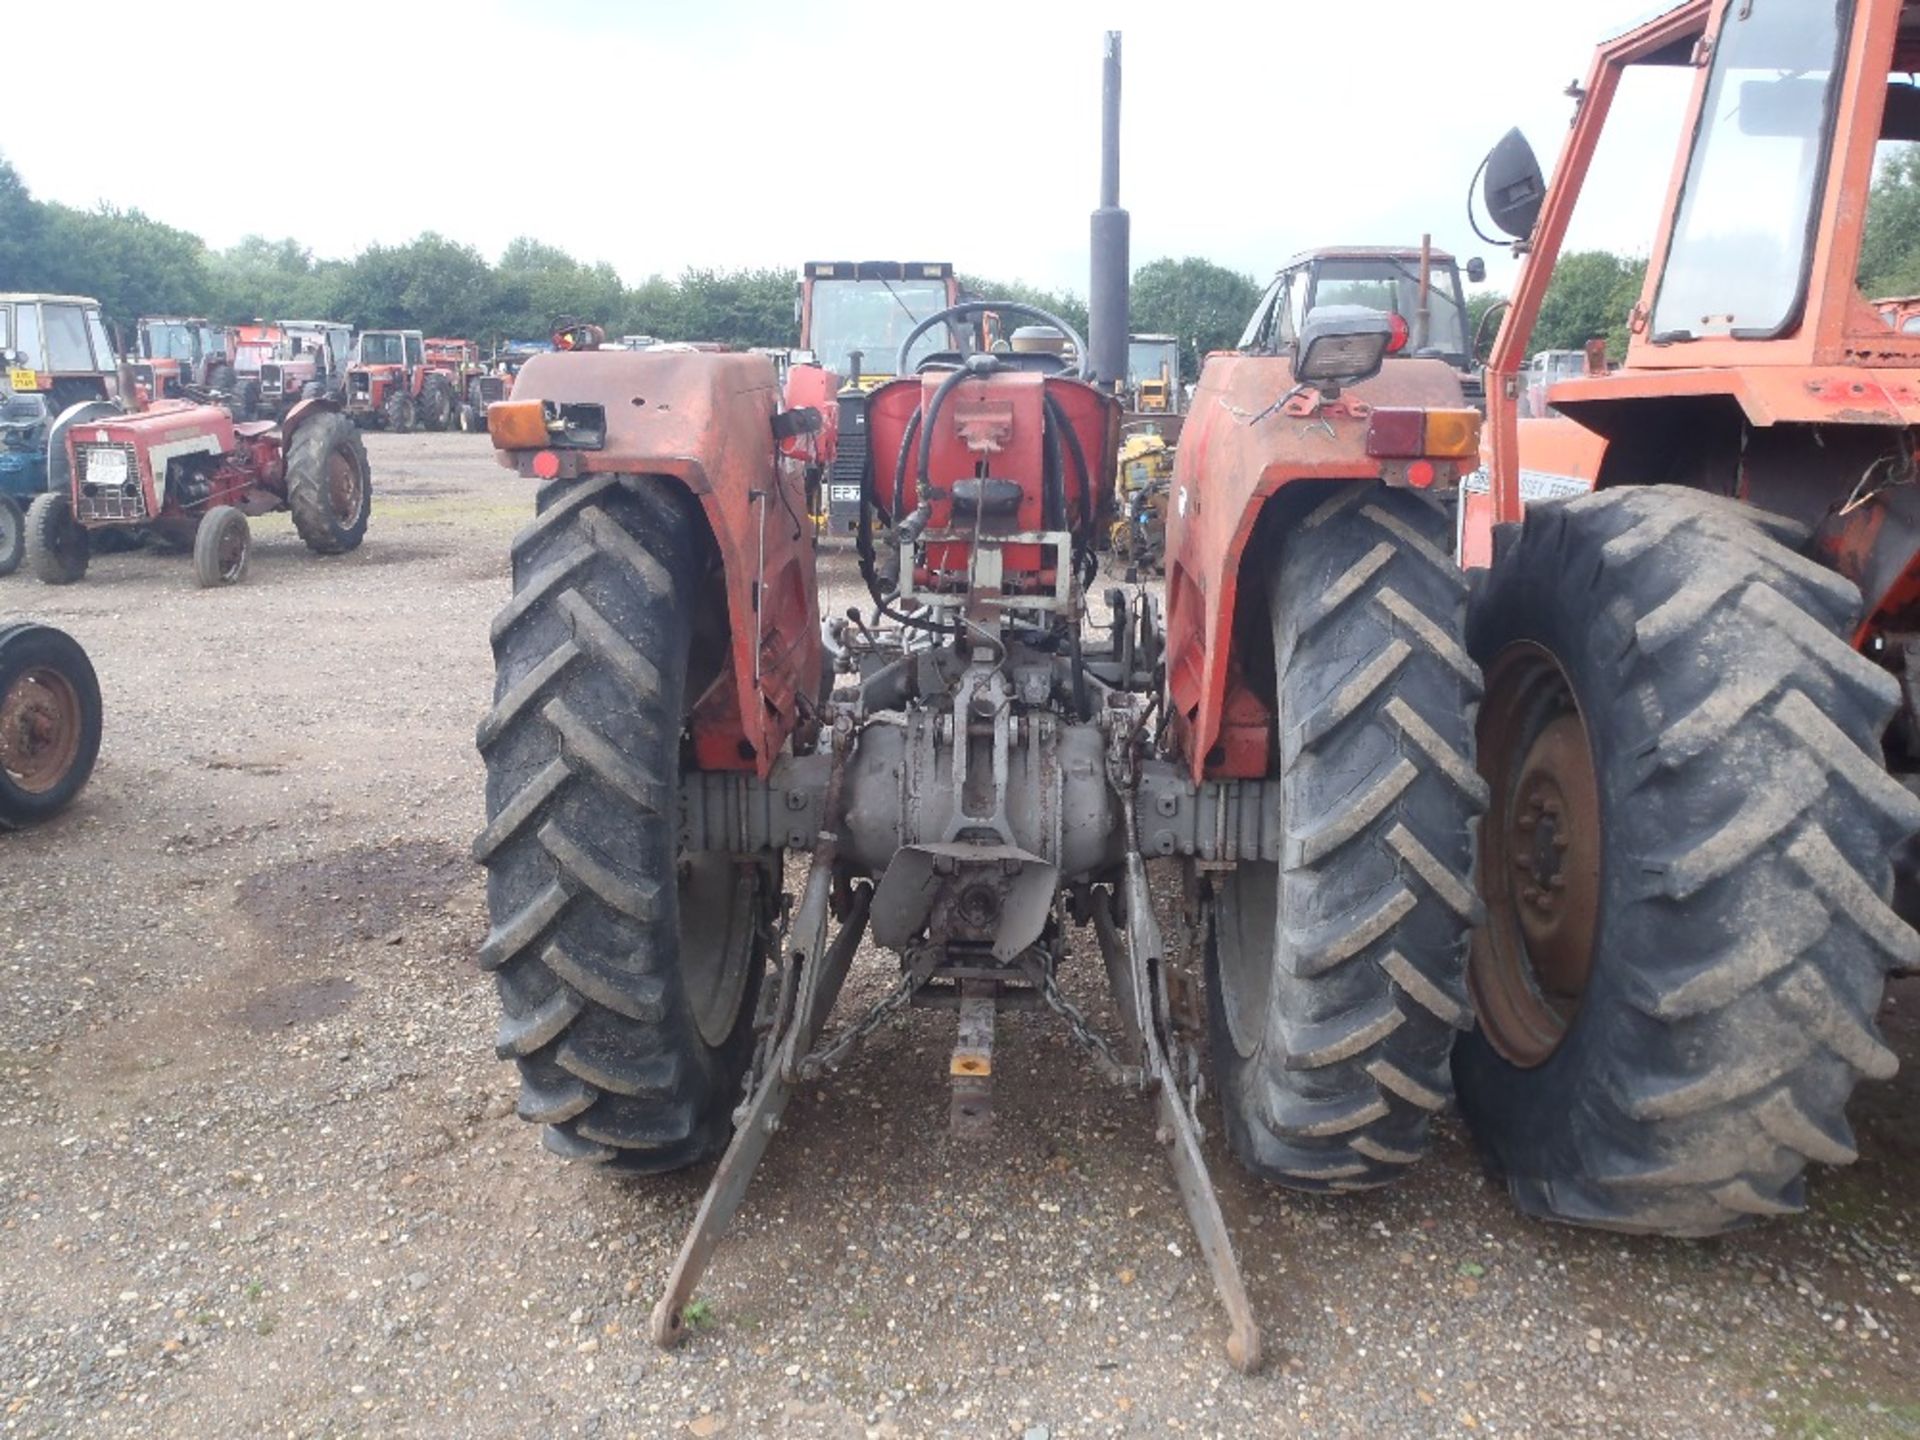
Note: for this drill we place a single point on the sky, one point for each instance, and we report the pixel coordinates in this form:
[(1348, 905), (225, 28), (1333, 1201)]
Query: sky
[(661, 136)]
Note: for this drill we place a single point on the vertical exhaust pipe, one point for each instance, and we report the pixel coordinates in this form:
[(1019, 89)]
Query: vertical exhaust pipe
[(1107, 286)]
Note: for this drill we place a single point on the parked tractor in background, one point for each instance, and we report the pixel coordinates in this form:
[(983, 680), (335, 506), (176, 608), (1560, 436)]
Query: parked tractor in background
[(50, 717), (187, 473), (54, 353), (254, 347), (458, 363), (1699, 729), (1154, 391), (311, 364), (493, 383), (991, 765), (1418, 286), (390, 385), (852, 315), (172, 353)]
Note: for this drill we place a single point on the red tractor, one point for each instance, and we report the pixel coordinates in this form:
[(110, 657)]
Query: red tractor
[(173, 353), (186, 473), (311, 362), (988, 765), (392, 385)]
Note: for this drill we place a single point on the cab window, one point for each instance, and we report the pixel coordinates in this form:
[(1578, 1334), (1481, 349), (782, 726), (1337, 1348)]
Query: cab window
[(413, 349), (68, 349), (27, 337), (1254, 337), (103, 356)]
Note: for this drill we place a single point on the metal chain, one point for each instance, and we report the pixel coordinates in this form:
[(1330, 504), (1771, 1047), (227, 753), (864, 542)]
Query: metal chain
[(825, 1058), (1084, 1035)]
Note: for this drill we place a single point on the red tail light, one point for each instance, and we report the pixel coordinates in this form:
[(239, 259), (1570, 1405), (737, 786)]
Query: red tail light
[(1398, 341)]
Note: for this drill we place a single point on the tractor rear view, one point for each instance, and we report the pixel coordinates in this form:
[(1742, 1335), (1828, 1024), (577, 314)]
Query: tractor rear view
[(1699, 730), (997, 749)]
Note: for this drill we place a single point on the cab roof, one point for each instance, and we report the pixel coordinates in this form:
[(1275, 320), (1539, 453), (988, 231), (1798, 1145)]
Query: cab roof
[(1435, 255), (14, 297)]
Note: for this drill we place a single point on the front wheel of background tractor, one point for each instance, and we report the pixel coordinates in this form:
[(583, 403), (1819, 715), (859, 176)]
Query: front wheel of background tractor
[(627, 969), (397, 411), (436, 404), (57, 546), (220, 381), (471, 421), (1686, 864), (49, 723), (329, 485), (1336, 977), (221, 547), (13, 536)]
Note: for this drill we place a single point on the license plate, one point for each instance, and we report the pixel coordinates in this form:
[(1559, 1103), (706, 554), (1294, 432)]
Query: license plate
[(106, 467), (844, 492), (22, 379)]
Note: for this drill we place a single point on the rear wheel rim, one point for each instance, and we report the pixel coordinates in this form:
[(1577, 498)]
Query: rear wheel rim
[(40, 727), (719, 904), (343, 487), (1245, 923), (1539, 857)]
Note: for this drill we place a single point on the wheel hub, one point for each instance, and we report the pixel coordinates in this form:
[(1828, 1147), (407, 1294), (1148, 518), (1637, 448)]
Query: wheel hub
[(1540, 857), (39, 730), (343, 487)]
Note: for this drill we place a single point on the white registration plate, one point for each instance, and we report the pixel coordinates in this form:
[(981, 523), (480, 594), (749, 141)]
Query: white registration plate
[(844, 492), (106, 467)]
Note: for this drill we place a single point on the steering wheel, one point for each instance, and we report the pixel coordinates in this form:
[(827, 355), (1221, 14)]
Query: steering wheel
[(1003, 307)]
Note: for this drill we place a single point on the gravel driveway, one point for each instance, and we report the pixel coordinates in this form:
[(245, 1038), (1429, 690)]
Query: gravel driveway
[(259, 1173)]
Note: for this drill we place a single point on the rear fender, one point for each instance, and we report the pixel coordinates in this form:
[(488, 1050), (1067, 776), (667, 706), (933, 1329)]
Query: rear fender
[(1230, 469), (302, 412), (705, 422)]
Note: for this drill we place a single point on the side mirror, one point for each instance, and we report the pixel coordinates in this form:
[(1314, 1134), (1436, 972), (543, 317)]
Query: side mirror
[(1514, 187), (1476, 271)]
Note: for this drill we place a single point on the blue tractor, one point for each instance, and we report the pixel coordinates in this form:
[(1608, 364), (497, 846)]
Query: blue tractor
[(54, 354)]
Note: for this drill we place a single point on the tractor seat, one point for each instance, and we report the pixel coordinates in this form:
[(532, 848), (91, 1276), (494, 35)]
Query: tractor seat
[(24, 408), (254, 429)]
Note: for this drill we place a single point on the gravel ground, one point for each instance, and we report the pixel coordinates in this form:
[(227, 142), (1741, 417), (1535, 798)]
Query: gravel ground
[(259, 1172)]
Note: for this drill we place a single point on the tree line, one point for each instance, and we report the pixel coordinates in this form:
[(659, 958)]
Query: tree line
[(136, 265)]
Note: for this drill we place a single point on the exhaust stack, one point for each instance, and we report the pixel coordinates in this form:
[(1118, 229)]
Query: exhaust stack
[(1107, 285)]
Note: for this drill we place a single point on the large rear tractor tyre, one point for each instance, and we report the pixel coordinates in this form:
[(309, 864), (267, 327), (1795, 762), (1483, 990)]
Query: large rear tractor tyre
[(49, 723), (329, 484), (57, 546), (1336, 979), (1686, 864), (13, 536), (436, 404), (626, 969), (221, 548)]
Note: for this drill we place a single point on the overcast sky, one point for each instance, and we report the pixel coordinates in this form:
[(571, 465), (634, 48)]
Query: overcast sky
[(657, 136)]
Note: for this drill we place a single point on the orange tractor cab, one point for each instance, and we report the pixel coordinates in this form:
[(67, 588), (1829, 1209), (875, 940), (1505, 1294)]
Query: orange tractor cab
[(391, 385), (852, 315), (1699, 732)]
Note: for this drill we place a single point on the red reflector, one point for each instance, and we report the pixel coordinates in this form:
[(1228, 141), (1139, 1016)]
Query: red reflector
[(1420, 474), (1397, 341), (1396, 431), (547, 465)]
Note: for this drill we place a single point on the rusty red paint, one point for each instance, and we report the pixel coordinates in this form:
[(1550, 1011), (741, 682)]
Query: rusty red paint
[(705, 421)]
